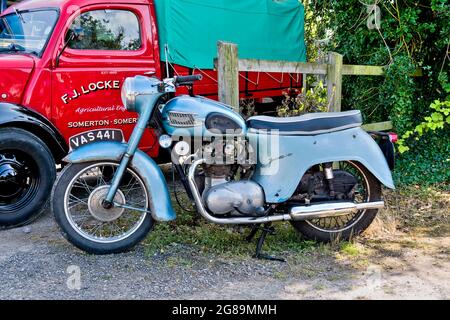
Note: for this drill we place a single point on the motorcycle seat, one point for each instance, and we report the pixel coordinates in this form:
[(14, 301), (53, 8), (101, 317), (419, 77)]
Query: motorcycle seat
[(308, 124)]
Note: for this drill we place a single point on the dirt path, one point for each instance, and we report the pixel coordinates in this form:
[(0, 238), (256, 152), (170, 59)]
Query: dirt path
[(37, 263), (414, 275)]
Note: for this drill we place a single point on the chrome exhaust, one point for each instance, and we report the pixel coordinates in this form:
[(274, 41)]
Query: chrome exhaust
[(295, 213), (334, 209)]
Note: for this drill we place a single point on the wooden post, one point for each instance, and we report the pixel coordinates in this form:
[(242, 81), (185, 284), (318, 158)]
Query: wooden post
[(334, 81), (228, 74)]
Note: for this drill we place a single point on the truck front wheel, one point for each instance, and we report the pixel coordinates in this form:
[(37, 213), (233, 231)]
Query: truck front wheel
[(27, 174)]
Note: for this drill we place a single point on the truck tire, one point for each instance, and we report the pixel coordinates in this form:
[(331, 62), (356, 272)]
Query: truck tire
[(27, 174)]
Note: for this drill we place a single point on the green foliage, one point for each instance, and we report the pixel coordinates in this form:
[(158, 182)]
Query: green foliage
[(398, 92), (439, 119), (411, 34), (424, 165), (307, 101)]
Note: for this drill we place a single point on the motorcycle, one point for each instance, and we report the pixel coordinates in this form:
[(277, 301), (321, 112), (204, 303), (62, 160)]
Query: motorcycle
[(321, 172)]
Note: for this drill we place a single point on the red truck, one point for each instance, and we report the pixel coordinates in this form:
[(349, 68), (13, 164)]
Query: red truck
[(62, 63)]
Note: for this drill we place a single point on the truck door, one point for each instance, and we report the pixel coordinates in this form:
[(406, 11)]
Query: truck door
[(105, 45)]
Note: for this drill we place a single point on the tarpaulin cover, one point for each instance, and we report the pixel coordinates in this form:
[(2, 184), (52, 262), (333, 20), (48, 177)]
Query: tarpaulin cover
[(262, 29)]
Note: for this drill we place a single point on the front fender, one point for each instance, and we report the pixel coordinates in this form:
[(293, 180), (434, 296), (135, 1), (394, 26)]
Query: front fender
[(143, 165), (280, 175)]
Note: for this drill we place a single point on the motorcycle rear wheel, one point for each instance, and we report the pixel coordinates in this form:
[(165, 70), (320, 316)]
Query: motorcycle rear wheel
[(345, 227), (77, 206)]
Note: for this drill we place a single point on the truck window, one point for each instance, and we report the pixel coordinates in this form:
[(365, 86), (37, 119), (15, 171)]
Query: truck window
[(26, 31), (106, 30)]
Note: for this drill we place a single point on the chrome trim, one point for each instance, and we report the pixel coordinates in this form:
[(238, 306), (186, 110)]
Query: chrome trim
[(331, 209), (181, 119)]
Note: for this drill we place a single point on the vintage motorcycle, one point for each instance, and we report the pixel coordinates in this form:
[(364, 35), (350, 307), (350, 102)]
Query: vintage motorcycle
[(321, 172)]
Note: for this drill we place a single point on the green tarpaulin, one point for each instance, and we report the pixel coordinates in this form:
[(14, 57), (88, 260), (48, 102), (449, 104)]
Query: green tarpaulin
[(263, 29)]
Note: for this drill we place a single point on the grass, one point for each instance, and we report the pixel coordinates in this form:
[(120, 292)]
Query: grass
[(211, 238), (192, 230), (418, 209), (409, 209), (350, 249)]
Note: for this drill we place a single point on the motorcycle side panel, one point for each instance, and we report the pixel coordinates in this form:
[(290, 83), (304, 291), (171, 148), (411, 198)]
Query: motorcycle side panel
[(146, 168), (283, 160)]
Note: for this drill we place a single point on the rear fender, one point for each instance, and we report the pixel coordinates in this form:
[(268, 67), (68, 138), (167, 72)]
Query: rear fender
[(143, 165), (280, 176)]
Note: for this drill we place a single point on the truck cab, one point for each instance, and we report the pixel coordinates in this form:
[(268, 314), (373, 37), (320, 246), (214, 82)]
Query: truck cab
[(62, 64)]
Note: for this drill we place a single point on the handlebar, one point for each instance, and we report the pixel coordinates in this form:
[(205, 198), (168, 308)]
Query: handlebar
[(187, 80)]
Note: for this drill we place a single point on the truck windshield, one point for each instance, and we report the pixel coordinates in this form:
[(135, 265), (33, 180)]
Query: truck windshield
[(26, 31)]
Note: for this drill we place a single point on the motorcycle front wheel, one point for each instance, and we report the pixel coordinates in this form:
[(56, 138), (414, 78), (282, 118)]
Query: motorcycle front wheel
[(343, 228), (77, 205)]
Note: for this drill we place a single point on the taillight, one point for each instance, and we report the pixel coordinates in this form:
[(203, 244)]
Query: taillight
[(393, 137)]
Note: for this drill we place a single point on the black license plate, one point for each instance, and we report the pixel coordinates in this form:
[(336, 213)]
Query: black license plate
[(95, 135)]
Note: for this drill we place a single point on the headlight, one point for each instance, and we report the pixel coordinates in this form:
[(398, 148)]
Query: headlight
[(139, 92), (128, 95)]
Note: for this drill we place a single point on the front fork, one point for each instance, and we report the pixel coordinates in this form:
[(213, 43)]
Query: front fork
[(133, 144)]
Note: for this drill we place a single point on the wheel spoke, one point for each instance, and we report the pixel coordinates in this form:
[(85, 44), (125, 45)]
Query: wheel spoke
[(359, 195), (89, 217)]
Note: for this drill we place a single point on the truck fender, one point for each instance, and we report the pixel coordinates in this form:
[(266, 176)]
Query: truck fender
[(20, 117), (143, 165)]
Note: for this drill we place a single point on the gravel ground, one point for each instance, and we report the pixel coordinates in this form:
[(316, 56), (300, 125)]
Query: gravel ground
[(36, 262)]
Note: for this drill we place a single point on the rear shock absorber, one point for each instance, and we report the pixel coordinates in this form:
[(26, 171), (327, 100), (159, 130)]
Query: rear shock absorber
[(328, 170)]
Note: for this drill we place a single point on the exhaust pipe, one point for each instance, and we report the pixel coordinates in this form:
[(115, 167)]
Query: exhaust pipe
[(331, 209), (295, 213)]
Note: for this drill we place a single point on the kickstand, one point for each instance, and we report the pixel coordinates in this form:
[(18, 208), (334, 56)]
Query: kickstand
[(252, 234), (266, 229)]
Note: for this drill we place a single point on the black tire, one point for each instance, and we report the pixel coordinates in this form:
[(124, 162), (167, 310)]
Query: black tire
[(311, 232), (68, 231), (25, 162)]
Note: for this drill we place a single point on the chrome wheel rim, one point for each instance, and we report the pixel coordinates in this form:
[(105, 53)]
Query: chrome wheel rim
[(342, 223), (86, 215)]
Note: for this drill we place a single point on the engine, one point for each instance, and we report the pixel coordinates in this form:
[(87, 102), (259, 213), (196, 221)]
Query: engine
[(223, 193), (224, 179)]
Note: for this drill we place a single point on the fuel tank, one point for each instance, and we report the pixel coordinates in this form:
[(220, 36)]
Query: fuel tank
[(201, 117)]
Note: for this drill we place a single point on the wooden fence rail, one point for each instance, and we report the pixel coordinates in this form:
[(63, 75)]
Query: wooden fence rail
[(228, 66)]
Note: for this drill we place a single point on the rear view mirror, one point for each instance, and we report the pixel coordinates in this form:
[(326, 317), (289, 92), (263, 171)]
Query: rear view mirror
[(77, 34), (73, 36)]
